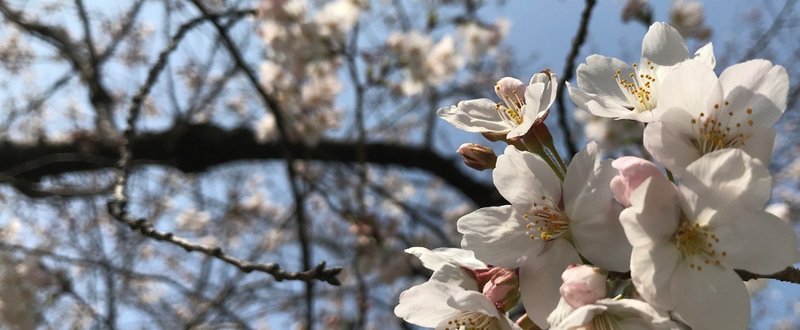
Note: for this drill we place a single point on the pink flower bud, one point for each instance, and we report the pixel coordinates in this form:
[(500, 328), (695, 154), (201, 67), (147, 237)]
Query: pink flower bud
[(477, 156), (500, 285), (632, 172), (583, 285), (511, 89)]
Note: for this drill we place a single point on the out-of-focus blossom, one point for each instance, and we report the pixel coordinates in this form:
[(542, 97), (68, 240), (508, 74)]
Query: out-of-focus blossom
[(703, 113), (638, 10), (479, 41), (687, 16)]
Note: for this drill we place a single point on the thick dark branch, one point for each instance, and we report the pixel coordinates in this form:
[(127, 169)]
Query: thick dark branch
[(569, 71), (199, 147)]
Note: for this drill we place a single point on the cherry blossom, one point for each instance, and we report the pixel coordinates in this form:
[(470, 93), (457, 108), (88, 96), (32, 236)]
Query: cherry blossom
[(522, 107), (608, 87), (687, 240), (703, 113)]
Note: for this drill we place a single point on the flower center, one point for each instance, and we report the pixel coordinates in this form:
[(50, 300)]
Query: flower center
[(473, 321), (511, 111), (545, 220), (639, 86), (696, 244), (721, 129)]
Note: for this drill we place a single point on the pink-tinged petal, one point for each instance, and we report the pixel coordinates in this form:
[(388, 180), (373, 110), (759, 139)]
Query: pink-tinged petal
[(712, 298), (664, 45), (475, 116), (521, 177), (754, 240), (652, 271), (598, 76), (653, 215), (498, 236), (669, 146), (691, 86), (425, 304), (436, 258), (508, 88), (540, 278), (598, 105), (582, 285), (632, 172), (758, 85), (706, 55), (760, 143), (727, 177)]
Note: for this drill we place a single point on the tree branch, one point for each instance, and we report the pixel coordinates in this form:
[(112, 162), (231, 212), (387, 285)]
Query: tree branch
[(569, 71)]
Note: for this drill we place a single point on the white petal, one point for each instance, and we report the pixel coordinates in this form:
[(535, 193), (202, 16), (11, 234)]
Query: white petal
[(454, 275), (548, 95), (597, 76), (759, 85), (472, 301), (755, 240), (475, 116), (588, 203), (426, 304), (760, 143), (498, 236), (727, 177), (669, 146), (632, 309), (579, 317), (652, 270), (691, 86), (539, 281), (664, 45), (580, 170), (713, 298), (598, 105), (706, 55), (653, 214), (521, 177), (436, 258)]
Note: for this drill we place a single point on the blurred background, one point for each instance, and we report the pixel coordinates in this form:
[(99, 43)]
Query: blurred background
[(295, 132)]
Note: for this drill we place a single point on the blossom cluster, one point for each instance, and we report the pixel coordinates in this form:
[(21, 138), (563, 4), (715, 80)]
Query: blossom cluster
[(625, 243)]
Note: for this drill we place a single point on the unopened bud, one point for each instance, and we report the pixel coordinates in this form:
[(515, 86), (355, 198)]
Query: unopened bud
[(500, 285), (583, 285), (477, 156)]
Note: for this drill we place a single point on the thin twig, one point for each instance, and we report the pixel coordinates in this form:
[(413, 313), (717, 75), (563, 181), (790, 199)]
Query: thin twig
[(569, 70)]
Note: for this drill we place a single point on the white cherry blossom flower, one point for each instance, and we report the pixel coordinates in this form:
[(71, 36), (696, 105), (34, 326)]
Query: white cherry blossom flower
[(522, 107), (703, 113), (688, 240), (535, 231), (440, 305), (608, 87), (462, 291)]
